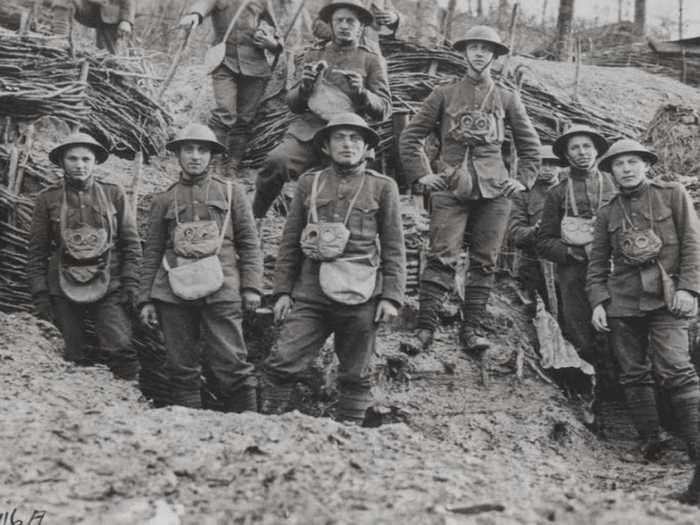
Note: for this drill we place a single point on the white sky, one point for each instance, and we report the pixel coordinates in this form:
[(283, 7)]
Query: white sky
[(607, 11)]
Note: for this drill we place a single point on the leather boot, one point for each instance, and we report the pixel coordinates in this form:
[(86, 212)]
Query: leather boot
[(473, 335), (686, 409), (245, 399), (274, 396), (186, 398), (692, 495), (641, 404)]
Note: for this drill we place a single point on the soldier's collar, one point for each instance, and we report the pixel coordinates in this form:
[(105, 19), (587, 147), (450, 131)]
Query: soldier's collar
[(76, 185), (485, 80), (189, 180), (350, 47)]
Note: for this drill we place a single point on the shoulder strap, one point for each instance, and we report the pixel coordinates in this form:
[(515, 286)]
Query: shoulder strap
[(354, 199), (569, 197), (229, 197), (488, 96)]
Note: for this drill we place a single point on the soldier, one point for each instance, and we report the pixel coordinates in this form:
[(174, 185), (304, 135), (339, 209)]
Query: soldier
[(525, 219), (84, 255), (112, 19), (340, 269), (643, 282), (566, 230), (340, 76), (386, 22), (239, 82), (471, 192), (202, 264)]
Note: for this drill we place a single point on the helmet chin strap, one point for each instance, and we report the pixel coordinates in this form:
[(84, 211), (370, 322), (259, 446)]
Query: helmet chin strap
[(586, 168), (480, 72)]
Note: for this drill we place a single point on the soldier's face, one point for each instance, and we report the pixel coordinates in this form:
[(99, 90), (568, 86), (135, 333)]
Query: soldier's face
[(581, 151), (479, 55), (346, 146), (346, 26), (629, 170), (194, 158), (78, 163), (549, 171)]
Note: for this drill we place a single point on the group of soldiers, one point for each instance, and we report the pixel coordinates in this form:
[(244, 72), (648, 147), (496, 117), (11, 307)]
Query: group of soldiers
[(626, 247)]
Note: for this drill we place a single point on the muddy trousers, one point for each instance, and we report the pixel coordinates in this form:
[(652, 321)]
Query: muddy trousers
[(112, 328), (484, 222), (237, 98), (285, 162), (655, 347), (302, 336), (211, 333)]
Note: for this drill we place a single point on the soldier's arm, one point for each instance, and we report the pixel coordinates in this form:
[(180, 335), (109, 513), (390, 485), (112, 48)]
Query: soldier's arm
[(411, 145), (599, 262), (297, 99), (522, 233), (154, 248), (375, 99), (389, 6), (393, 249), (289, 255), (527, 142), (250, 265), (128, 242), (688, 228), (549, 244), (127, 11), (38, 249)]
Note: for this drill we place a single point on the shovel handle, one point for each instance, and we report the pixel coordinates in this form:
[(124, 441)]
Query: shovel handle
[(176, 61)]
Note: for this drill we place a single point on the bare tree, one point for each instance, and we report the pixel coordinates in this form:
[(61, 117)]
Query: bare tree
[(564, 25), (480, 8), (640, 15), (503, 12), (680, 19)]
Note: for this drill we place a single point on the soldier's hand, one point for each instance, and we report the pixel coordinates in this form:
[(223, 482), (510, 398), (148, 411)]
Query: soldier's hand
[(510, 186), (282, 307), (599, 319), (123, 29), (149, 316), (308, 78), (386, 311), (251, 300), (434, 182), (386, 18), (356, 82), (684, 304), (189, 21), (265, 40)]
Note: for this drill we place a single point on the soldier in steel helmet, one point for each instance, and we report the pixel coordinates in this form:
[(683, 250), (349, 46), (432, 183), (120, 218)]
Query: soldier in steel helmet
[(471, 192), (566, 230), (643, 281), (240, 81), (525, 220), (342, 75), (202, 268), (340, 269), (84, 256)]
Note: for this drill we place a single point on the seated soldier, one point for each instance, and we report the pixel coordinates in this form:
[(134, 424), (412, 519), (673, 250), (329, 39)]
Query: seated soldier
[(341, 269), (643, 281), (340, 76)]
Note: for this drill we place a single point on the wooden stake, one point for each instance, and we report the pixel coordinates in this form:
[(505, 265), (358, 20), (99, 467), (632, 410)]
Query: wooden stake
[(24, 158), (513, 28), (136, 185), (578, 68)]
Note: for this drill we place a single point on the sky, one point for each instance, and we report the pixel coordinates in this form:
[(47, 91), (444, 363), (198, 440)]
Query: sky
[(607, 11)]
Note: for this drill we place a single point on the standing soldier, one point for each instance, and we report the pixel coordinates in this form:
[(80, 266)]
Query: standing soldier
[(525, 220), (566, 230), (84, 257), (112, 19), (340, 269), (386, 22), (201, 264), (339, 76), (643, 282), (239, 82), (471, 193)]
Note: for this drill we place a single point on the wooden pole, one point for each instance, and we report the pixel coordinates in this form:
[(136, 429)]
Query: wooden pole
[(449, 17), (578, 68), (513, 28)]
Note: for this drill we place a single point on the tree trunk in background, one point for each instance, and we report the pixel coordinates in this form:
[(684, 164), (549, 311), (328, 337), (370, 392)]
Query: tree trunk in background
[(479, 8), (640, 15), (503, 14), (564, 24), (449, 16)]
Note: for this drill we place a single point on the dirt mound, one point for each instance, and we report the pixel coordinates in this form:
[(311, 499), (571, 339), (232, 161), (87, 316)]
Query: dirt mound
[(90, 449)]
